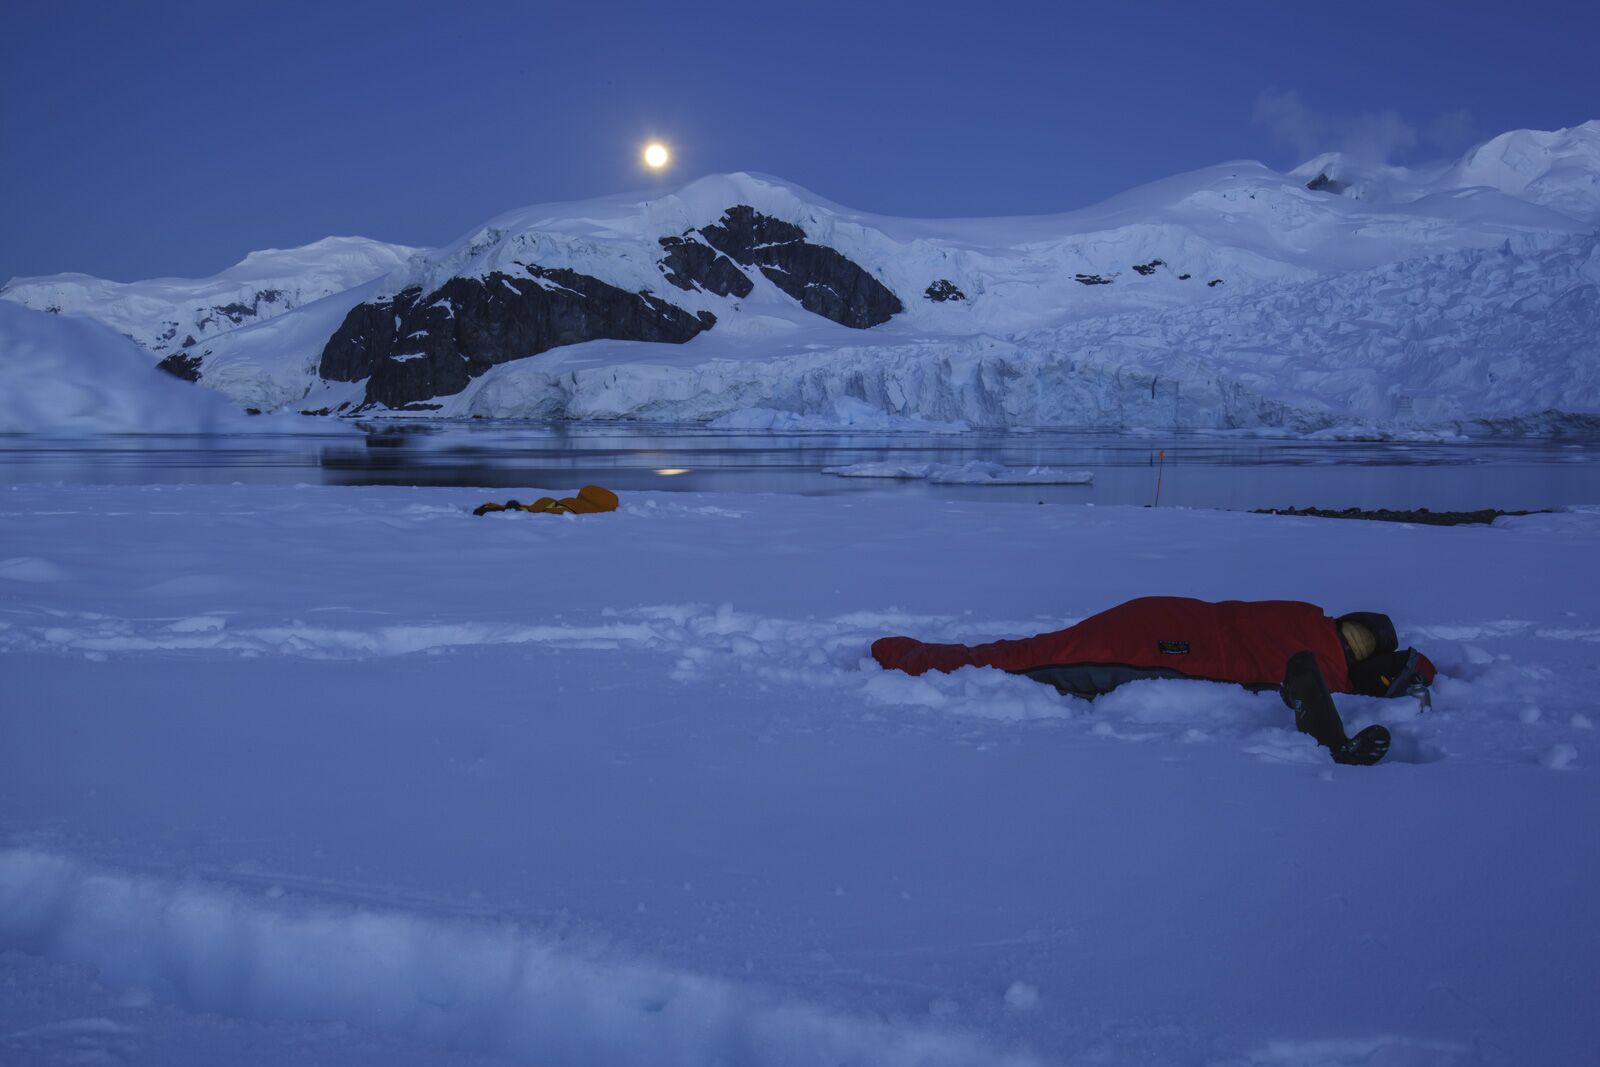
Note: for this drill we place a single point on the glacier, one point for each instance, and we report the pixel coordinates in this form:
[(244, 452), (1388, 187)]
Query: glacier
[(1339, 297)]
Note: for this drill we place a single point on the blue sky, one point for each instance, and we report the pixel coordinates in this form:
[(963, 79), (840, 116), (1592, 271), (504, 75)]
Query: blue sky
[(172, 138)]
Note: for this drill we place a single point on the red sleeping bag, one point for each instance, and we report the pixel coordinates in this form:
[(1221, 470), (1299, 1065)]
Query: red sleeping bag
[(1243, 641)]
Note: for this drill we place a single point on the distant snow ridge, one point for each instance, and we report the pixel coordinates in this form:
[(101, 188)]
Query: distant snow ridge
[(168, 315), (1560, 169)]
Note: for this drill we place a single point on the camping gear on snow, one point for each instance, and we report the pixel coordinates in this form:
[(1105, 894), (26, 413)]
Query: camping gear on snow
[(589, 499), (1250, 643)]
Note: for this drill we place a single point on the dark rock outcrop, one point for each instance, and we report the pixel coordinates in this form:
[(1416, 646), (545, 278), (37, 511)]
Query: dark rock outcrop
[(1144, 270), (942, 290), (823, 280), (691, 265), (1214, 282), (1091, 279), (236, 312), (1324, 184), (1420, 516), (416, 346), (181, 365)]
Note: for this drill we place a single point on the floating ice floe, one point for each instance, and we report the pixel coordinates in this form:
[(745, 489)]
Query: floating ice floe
[(975, 473)]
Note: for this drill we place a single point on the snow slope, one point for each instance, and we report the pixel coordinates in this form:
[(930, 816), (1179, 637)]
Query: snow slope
[(348, 775), (1240, 221), (1314, 320), (1557, 169), (166, 315), (67, 374), (1232, 296), (1505, 333)]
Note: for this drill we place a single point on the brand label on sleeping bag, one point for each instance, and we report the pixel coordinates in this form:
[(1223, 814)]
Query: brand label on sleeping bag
[(1174, 648)]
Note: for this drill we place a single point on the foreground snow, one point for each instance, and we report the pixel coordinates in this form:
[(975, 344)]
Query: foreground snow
[(349, 775)]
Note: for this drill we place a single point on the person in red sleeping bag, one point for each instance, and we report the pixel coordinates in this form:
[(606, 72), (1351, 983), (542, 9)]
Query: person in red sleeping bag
[(1286, 645)]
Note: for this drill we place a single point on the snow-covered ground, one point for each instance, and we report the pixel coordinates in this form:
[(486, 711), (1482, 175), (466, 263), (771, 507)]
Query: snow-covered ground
[(348, 775)]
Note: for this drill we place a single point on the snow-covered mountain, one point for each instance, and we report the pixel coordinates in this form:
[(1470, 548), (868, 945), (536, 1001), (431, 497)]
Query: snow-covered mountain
[(1558, 170), (1232, 296), (170, 315)]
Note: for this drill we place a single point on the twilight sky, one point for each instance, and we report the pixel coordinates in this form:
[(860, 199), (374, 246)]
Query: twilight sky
[(169, 138)]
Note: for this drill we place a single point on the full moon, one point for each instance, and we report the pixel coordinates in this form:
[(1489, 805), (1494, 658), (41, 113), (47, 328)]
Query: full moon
[(656, 155)]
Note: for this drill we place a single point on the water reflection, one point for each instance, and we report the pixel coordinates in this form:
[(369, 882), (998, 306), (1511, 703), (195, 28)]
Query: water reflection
[(1199, 469)]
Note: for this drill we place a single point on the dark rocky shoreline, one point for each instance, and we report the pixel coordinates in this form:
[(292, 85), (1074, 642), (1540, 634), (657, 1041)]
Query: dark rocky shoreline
[(1422, 516)]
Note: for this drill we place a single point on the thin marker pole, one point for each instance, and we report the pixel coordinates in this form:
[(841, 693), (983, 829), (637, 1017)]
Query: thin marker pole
[(1160, 466)]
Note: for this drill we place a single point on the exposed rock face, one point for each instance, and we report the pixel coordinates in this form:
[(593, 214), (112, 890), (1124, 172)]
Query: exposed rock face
[(1324, 184), (689, 265), (181, 365), (823, 280), (942, 290), (1091, 279), (235, 313), (416, 346), (209, 321), (1144, 270)]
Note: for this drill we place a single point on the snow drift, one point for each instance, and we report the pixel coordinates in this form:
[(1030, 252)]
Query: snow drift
[(66, 374)]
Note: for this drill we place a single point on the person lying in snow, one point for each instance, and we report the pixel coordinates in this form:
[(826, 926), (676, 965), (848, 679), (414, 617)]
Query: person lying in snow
[(1266, 644)]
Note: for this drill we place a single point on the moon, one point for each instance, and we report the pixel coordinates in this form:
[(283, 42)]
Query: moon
[(656, 155)]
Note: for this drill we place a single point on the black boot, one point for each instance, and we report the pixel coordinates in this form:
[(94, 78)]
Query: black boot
[(1307, 695)]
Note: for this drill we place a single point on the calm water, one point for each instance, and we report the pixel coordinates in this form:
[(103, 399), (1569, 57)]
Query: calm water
[(1199, 470)]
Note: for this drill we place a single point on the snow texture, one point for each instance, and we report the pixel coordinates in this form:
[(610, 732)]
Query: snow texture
[(67, 374), (299, 774)]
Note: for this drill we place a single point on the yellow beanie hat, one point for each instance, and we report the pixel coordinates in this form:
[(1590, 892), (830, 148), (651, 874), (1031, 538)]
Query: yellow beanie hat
[(1358, 639)]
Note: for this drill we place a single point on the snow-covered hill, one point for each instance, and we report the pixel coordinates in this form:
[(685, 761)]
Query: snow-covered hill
[(1559, 170), (1507, 333), (108, 385), (1233, 296), (169, 315)]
